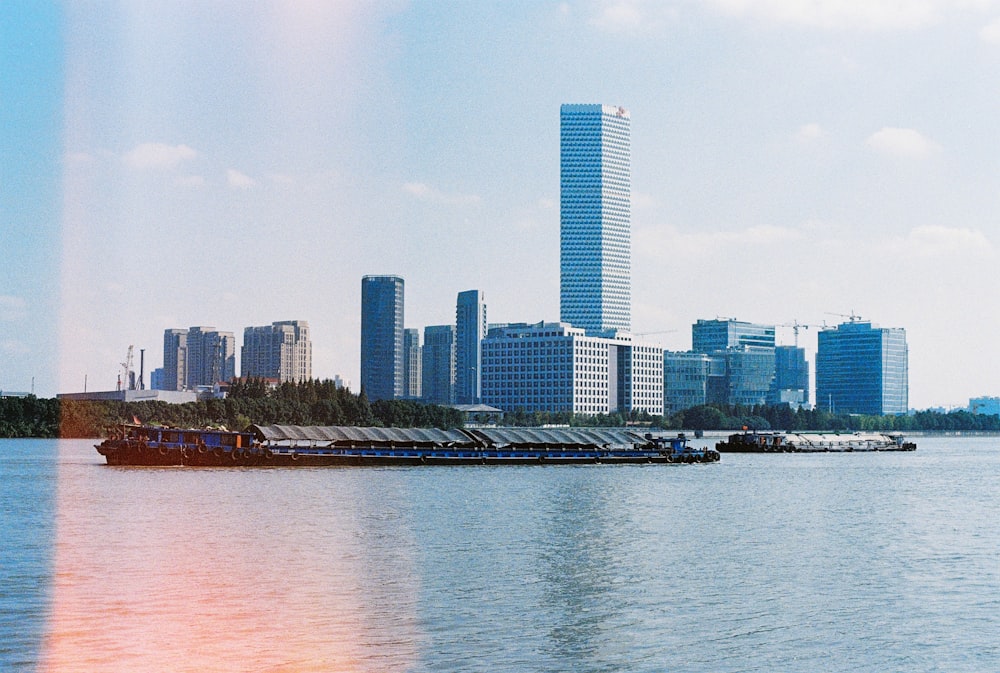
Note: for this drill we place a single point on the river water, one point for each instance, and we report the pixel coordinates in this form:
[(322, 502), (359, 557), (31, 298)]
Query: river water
[(811, 562)]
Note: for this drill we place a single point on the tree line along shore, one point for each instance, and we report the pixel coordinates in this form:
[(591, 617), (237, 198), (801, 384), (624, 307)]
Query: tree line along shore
[(322, 403)]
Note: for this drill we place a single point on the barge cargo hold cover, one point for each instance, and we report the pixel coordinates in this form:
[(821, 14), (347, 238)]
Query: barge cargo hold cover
[(294, 445), (806, 442)]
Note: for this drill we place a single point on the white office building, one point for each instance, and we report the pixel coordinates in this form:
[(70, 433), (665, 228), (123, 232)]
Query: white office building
[(557, 367)]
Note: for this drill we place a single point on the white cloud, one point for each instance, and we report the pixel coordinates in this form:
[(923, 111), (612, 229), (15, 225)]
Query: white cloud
[(940, 241), (238, 180), (631, 16), (622, 16), (643, 201), (158, 156), (424, 192), (12, 308), (991, 32), (865, 15), (809, 133), (906, 143)]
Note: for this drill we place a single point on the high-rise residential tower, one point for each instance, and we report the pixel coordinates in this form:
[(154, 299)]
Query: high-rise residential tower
[(595, 248), (174, 359), (211, 357), (382, 337), (198, 356), (470, 330), (861, 369), (281, 350)]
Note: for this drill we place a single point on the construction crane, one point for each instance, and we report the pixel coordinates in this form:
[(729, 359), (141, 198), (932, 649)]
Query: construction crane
[(853, 317), (123, 378), (796, 326)]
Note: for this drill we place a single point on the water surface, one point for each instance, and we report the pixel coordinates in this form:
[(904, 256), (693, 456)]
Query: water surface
[(760, 563)]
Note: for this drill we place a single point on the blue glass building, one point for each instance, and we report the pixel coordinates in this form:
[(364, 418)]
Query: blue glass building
[(709, 336), (861, 369), (382, 337), (791, 377), (438, 355), (470, 330), (595, 290)]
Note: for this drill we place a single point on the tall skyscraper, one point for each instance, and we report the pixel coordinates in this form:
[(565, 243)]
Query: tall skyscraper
[(382, 337), (470, 329), (861, 369), (595, 248), (411, 363), (281, 350), (438, 375)]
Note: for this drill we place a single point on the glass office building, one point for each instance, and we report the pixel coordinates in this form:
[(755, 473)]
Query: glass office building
[(861, 369), (709, 336), (470, 330), (686, 379), (791, 376), (438, 374), (382, 337), (595, 247)]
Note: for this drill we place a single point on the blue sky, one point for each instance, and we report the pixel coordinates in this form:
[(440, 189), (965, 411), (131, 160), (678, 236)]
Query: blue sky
[(232, 164)]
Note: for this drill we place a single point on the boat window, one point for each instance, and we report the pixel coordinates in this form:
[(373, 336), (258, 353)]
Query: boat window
[(228, 440)]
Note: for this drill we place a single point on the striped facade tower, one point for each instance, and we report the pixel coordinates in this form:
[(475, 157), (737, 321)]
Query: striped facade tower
[(595, 290)]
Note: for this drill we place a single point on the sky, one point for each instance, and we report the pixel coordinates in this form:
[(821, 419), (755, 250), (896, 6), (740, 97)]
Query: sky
[(228, 164)]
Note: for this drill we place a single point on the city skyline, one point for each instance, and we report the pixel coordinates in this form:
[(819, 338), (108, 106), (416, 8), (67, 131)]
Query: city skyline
[(790, 162)]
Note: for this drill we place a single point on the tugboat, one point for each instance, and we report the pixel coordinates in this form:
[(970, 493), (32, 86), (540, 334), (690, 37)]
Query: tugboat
[(290, 445)]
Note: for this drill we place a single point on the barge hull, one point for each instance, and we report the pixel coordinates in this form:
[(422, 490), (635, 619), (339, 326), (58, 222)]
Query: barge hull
[(315, 446), (130, 456)]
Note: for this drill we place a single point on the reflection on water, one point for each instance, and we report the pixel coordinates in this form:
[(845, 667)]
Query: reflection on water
[(760, 563), (216, 570), (27, 502)]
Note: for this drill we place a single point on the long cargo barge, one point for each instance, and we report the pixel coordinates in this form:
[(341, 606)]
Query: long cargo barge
[(786, 442), (320, 446)]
